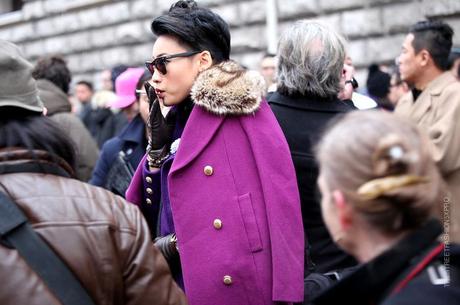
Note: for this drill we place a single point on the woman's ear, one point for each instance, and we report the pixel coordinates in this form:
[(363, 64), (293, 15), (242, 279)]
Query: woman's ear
[(205, 60), (344, 210)]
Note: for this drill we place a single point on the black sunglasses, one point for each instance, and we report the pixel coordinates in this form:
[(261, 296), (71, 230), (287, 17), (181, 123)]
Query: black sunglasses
[(159, 63)]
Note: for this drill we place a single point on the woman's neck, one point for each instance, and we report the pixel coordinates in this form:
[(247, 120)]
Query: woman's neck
[(370, 243)]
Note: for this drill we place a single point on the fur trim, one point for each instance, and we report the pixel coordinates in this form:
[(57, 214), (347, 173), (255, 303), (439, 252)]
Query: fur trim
[(228, 89)]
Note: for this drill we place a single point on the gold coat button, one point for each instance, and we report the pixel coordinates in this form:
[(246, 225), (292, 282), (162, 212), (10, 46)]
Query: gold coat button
[(148, 201), (227, 280), (208, 170), (148, 179), (217, 224), (149, 191)]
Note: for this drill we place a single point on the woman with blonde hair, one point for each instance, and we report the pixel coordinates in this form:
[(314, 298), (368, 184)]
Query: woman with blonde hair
[(382, 197)]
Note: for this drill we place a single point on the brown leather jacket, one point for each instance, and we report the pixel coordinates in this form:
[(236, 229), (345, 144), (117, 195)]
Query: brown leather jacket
[(103, 239)]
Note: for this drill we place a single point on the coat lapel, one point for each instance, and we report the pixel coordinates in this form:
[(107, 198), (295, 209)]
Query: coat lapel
[(199, 130), (424, 102), (421, 106)]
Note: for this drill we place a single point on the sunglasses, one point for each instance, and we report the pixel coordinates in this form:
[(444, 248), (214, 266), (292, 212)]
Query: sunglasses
[(159, 63)]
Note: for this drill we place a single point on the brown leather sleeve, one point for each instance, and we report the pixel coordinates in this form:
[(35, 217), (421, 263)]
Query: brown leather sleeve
[(146, 273)]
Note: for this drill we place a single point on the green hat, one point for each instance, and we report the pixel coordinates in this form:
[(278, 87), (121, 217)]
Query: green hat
[(17, 86)]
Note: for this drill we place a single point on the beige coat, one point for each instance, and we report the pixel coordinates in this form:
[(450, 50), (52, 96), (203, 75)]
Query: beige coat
[(437, 111)]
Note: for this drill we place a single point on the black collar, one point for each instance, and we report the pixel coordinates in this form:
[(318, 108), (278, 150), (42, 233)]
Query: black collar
[(313, 103), (369, 283), (134, 131)]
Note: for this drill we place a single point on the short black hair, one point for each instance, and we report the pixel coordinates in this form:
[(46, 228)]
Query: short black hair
[(116, 71), (435, 36), (196, 28), (378, 82), (53, 68), (24, 129), (87, 84)]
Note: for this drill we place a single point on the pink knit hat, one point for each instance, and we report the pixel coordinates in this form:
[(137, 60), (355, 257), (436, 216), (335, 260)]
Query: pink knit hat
[(125, 87)]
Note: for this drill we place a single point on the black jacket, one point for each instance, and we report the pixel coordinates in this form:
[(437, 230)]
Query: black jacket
[(377, 281), (102, 123), (133, 142), (303, 119)]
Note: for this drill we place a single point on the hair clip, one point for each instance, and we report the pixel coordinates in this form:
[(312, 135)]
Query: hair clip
[(377, 187), (396, 152)]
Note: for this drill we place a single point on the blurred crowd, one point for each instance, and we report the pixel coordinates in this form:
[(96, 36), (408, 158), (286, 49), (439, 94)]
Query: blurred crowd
[(194, 180)]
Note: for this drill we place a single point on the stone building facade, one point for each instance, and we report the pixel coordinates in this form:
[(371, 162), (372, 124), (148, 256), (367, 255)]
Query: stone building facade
[(98, 34)]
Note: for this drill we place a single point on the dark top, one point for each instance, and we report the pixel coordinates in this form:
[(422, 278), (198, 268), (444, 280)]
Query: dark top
[(132, 141), (102, 123), (303, 119), (380, 281)]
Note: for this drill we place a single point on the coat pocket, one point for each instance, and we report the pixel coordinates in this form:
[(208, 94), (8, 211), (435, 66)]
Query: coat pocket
[(250, 222)]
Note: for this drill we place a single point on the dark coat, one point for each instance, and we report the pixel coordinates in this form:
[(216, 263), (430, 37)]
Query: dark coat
[(385, 279), (102, 123), (103, 239), (58, 107), (303, 119), (132, 141)]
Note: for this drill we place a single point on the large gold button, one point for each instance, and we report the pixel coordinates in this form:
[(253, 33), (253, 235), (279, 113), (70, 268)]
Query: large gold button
[(208, 170), (148, 179), (148, 201), (227, 280), (217, 224), (149, 191)]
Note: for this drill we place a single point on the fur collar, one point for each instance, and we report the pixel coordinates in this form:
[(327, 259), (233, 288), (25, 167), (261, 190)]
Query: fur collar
[(228, 89)]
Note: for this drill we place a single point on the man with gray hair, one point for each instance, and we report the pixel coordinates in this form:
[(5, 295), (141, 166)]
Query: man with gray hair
[(310, 75)]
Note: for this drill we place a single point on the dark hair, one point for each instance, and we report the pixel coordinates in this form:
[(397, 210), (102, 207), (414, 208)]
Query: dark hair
[(140, 83), (86, 83), (196, 28), (53, 68), (434, 36), (24, 129), (115, 72), (378, 82)]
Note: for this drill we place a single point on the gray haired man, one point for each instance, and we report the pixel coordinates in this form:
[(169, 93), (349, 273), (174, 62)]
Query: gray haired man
[(310, 76)]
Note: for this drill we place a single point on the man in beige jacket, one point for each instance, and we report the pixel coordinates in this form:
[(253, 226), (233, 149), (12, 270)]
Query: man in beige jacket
[(434, 104)]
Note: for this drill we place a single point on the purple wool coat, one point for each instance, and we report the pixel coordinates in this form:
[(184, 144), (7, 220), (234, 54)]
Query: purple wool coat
[(234, 198)]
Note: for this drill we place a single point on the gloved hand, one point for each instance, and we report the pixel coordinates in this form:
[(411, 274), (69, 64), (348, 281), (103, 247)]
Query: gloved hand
[(161, 128), (168, 246)]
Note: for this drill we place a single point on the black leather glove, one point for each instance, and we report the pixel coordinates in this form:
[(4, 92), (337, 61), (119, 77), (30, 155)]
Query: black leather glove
[(168, 246), (161, 128)]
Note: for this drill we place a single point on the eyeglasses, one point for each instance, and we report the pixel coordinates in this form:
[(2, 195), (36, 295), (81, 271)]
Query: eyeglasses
[(159, 63)]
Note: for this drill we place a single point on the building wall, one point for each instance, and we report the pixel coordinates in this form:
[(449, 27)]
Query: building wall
[(98, 34)]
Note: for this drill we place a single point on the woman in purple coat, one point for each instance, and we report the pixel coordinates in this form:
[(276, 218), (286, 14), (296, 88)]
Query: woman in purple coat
[(217, 185)]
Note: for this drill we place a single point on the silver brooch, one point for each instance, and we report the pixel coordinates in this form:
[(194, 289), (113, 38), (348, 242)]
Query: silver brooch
[(175, 146)]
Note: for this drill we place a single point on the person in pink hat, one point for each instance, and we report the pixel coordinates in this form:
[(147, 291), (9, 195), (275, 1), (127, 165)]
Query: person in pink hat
[(121, 154), (125, 89)]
